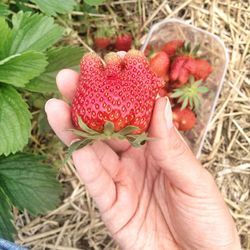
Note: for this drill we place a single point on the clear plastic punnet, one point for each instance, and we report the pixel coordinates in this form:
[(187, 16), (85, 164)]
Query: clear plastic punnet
[(213, 48)]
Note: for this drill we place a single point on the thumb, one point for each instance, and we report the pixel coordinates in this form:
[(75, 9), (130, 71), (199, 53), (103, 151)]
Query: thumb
[(170, 151)]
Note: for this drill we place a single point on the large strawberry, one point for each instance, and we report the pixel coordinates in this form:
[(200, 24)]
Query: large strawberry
[(115, 99), (124, 42)]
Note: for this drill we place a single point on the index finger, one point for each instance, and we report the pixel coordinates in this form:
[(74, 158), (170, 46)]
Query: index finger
[(66, 81)]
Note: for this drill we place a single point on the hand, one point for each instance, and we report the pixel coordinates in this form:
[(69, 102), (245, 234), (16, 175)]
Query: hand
[(154, 197)]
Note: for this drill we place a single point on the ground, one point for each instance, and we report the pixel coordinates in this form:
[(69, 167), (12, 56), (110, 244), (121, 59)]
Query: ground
[(76, 223)]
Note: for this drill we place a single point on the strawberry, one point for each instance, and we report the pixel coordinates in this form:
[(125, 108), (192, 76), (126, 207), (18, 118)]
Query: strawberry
[(186, 63), (183, 119), (102, 42), (114, 100), (171, 47), (202, 69), (102, 39), (123, 42), (159, 64)]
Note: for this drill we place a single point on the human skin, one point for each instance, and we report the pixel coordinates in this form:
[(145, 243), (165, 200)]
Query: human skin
[(157, 196)]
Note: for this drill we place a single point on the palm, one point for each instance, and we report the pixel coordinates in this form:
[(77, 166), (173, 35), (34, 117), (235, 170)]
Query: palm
[(140, 197)]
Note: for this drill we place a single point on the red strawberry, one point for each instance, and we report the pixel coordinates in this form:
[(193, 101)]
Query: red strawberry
[(159, 64), (181, 68), (202, 69), (114, 100), (171, 47), (184, 119), (102, 39), (102, 42), (123, 42)]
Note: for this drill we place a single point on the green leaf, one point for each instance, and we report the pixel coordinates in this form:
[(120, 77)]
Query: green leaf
[(185, 102), (128, 130), (4, 11), (177, 93), (29, 183), (203, 89), (51, 7), (7, 230), (33, 32), (93, 2), (85, 128), (6, 35), (15, 125), (58, 58), (20, 68)]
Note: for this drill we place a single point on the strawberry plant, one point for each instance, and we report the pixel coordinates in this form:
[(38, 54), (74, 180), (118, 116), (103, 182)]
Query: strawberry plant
[(28, 63)]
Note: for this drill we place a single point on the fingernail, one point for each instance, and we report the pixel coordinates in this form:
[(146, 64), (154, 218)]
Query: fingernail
[(168, 115), (48, 103)]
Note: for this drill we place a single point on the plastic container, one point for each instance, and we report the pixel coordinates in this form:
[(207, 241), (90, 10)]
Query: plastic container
[(213, 48)]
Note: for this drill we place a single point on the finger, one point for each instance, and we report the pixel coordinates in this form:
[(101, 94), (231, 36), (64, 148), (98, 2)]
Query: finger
[(105, 153), (119, 146), (170, 151), (67, 80), (59, 118), (98, 182)]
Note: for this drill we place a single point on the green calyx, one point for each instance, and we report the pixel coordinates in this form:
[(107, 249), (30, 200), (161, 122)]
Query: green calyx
[(189, 94), (187, 50), (89, 136)]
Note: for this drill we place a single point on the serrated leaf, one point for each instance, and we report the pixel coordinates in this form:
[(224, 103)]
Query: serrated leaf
[(29, 183), (58, 58), (5, 38), (33, 32), (18, 69), (4, 11), (7, 229), (52, 7), (93, 2), (15, 125)]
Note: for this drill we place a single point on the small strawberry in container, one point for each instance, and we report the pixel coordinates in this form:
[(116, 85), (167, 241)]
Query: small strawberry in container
[(159, 64), (171, 47), (123, 41), (186, 63), (183, 119), (115, 99)]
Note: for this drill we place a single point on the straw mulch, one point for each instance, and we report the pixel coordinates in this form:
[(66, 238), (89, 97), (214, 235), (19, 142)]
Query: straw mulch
[(76, 223)]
